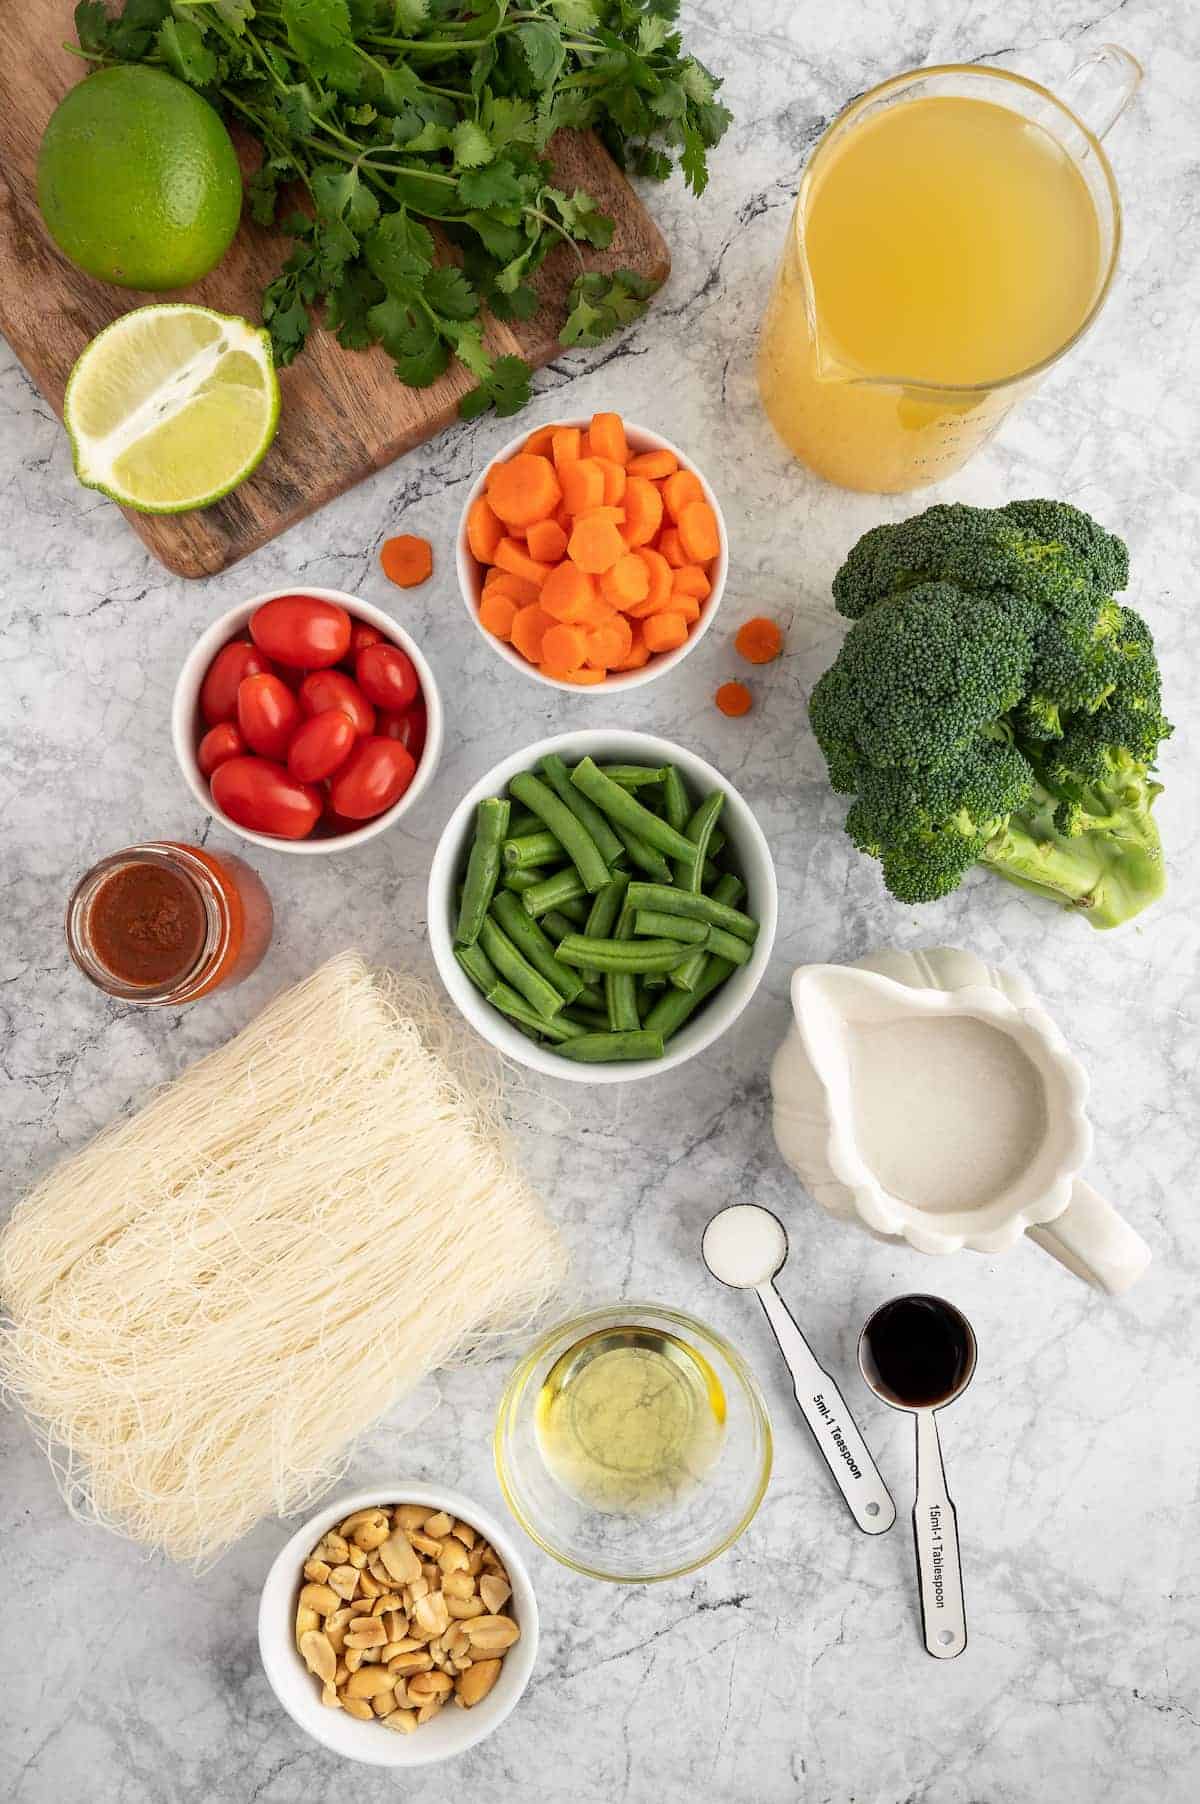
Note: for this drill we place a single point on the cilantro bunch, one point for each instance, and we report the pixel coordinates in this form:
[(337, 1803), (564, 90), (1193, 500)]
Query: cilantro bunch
[(395, 113)]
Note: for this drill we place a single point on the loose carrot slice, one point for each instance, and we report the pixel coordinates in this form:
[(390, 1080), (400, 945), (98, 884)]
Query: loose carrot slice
[(680, 490), (568, 592), (663, 632), (671, 549), (514, 558), (614, 480), (517, 588), (595, 544), (687, 605), (638, 653), (643, 511), (565, 647), (540, 443), (524, 489), (759, 640), (653, 465), (547, 541), (659, 572), (583, 485), (606, 435), (497, 612), (627, 582), (698, 532), (586, 676), (608, 644), (484, 531), (529, 628), (407, 560), (734, 699), (564, 446), (670, 603), (690, 579)]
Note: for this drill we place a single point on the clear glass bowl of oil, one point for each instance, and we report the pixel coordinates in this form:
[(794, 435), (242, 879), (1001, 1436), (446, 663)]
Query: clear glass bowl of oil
[(633, 1443)]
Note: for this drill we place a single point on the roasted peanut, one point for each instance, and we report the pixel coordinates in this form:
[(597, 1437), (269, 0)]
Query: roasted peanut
[(477, 1681)]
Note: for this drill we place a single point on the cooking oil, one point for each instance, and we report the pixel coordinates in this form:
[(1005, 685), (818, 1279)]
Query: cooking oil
[(628, 1418)]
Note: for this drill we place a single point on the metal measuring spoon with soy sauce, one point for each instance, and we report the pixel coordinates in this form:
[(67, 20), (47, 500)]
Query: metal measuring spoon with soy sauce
[(918, 1353)]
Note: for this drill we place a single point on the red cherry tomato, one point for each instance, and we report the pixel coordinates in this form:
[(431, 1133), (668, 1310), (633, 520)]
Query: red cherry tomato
[(258, 793), (218, 692), (320, 745), (362, 635), (409, 729), (220, 742), (387, 676), (301, 632), (374, 776), (333, 689), (268, 714)]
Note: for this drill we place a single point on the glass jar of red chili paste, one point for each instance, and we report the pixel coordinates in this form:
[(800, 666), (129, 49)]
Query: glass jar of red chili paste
[(164, 923)]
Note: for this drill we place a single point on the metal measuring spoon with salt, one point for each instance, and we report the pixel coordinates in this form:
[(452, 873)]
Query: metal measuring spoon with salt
[(746, 1247)]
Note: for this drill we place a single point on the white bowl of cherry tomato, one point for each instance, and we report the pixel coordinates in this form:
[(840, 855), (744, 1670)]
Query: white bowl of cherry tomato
[(306, 720)]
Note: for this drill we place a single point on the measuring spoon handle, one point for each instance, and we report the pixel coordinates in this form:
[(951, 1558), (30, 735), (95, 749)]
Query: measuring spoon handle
[(824, 1409), (935, 1532)]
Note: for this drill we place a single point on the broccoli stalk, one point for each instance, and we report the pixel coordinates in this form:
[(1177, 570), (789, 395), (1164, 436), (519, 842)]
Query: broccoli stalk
[(992, 703), (1104, 857)]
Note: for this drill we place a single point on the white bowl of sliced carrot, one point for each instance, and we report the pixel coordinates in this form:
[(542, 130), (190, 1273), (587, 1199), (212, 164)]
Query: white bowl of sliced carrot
[(592, 554)]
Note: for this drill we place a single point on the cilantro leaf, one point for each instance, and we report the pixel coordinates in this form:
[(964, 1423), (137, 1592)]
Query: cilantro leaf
[(448, 292), (348, 306), (399, 250), (506, 388), (495, 186), (599, 304), (575, 15), (582, 217), (471, 145), (339, 192), (319, 33), (186, 54), (542, 47), (409, 15), (507, 120)]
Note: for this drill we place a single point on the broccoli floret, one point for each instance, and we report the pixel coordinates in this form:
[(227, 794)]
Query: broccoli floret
[(992, 703)]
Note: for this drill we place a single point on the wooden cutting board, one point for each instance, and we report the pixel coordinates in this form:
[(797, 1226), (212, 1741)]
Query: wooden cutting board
[(344, 414)]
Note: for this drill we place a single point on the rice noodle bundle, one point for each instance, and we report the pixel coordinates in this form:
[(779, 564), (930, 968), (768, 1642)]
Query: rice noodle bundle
[(212, 1300)]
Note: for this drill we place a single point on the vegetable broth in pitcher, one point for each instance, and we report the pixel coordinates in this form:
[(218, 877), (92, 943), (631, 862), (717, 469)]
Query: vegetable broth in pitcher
[(951, 243)]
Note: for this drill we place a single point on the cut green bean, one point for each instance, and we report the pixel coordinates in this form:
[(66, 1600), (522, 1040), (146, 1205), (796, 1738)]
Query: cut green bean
[(516, 970), (606, 1049), (483, 868), (677, 1006), (531, 849), (586, 813), (677, 807), (593, 1019), (653, 924), (652, 863), (622, 955), (633, 776), (575, 909), (506, 999), (555, 923), (519, 881), (625, 810), (728, 945), (730, 890), (478, 967), (606, 906), (620, 988), (521, 821), (553, 892), (697, 908), (534, 946), (571, 834), (699, 831)]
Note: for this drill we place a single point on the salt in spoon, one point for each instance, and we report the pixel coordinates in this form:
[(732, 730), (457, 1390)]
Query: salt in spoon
[(746, 1247), (918, 1353)]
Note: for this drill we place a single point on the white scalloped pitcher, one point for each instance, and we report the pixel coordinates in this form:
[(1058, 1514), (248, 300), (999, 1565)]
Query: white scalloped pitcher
[(929, 1098)]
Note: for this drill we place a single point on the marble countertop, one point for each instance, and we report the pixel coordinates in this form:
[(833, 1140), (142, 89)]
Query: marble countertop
[(790, 1672)]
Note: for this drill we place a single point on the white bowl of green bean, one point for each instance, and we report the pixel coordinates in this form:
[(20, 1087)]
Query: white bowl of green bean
[(583, 940)]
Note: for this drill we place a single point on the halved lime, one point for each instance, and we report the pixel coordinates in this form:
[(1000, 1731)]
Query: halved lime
[(171, 406)]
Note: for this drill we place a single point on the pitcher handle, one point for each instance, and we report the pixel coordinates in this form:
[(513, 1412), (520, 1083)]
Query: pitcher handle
[(1100, 87), (1094, 1242)]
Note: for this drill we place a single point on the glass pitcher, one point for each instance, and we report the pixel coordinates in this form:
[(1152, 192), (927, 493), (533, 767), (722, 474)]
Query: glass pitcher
[(824, 382)]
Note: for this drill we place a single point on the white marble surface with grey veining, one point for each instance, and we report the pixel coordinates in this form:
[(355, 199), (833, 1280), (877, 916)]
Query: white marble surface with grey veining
[(791, 1671)]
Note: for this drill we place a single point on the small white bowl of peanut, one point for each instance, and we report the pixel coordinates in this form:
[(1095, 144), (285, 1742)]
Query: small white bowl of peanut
[(399, 1626)]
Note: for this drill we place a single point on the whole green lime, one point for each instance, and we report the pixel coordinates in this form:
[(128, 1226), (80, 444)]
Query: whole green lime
[(137, 179)]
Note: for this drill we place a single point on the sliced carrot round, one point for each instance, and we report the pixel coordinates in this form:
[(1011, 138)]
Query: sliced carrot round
[(407, 560), (484, 531), (568, 593), (586, 676), (497, 612), (608, 644), (595, 544), (653, 465), (539, 443), (734, 699), (547, 541), (665, 631), (583, 484), (690, 579), (518, 588), (513, 557), (530, 626), (614, 481), (643, 511), (659, 572), (627, 582), (564, 446), (759, 640), (565, 647), (698, 532), (606, 436), (670, 548), (679, 490), (524, 489)]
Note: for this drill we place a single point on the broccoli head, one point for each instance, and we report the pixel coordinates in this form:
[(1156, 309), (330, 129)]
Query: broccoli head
[(993, 703)]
